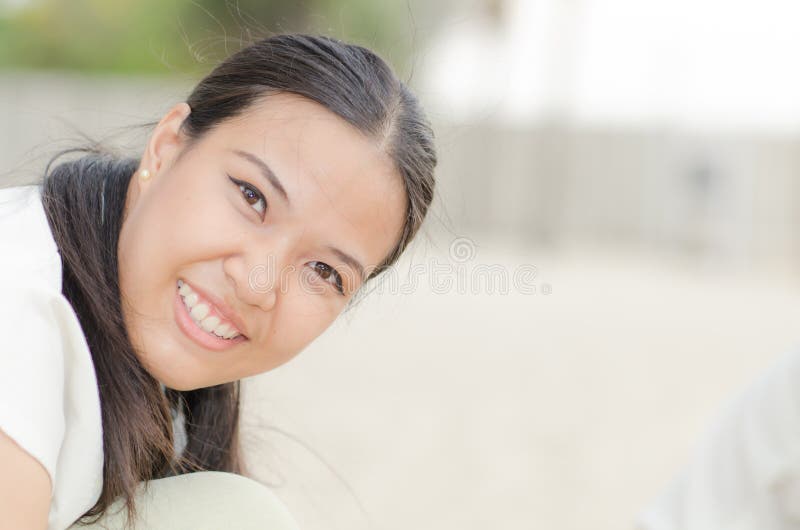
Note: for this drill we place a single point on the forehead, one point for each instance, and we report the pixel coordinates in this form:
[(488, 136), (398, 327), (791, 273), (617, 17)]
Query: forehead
[(341, 185)]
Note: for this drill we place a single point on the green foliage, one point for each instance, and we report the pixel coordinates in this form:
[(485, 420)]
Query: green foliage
[(185, 36)]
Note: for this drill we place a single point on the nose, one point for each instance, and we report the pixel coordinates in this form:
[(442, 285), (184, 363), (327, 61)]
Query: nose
[(250, 287), (259, 271)]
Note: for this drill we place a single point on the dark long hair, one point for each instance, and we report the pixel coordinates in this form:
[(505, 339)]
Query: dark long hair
[(84, 199)]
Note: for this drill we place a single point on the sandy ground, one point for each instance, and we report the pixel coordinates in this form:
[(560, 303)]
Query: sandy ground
[(569, 408)]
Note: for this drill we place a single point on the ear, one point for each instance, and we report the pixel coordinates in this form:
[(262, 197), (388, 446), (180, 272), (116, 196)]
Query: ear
[(166, 141)]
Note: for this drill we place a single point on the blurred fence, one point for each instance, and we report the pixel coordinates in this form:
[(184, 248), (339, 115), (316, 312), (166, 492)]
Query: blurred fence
[(723, 198)]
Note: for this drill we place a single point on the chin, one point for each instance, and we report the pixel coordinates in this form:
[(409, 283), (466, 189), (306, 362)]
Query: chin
[(184, 384), (181, 387)]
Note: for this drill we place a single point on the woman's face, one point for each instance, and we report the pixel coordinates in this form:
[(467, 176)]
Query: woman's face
[(267, 221)]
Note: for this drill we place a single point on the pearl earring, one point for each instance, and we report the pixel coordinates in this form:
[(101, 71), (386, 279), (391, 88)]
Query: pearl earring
[(144, 174)]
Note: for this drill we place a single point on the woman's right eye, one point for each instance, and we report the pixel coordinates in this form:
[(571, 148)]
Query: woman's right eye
[(252, 196)]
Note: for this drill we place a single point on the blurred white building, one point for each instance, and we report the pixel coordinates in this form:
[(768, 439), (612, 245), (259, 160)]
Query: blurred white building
[(625, 121)]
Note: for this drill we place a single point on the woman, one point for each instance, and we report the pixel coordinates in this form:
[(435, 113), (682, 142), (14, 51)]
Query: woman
[(142, 290)]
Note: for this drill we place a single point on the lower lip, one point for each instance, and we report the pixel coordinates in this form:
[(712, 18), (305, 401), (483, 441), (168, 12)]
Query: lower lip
[(196, 333)]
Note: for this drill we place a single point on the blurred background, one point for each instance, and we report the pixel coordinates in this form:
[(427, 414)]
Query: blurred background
[(612, 254)]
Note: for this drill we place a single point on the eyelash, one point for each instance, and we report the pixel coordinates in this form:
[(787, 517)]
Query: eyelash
[(243, 186), (332, 272)]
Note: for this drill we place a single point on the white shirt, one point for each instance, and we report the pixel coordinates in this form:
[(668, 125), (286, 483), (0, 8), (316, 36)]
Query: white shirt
[(49, 402), (745, 474)]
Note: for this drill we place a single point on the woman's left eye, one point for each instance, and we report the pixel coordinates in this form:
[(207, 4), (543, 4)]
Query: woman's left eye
[(326, 272), (251, 194)]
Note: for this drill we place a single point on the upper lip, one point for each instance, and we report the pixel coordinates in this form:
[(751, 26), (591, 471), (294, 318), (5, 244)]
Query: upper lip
[(223, 308)]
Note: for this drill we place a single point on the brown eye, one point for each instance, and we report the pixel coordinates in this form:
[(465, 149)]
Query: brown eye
[(252, 196), (326, 272)]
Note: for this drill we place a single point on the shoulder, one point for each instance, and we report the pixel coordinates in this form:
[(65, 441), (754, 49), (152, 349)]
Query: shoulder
[(47, 381), (34, 317), (26, 238), (49, 397)]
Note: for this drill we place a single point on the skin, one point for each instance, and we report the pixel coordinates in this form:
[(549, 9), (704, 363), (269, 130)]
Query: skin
[(190, 221), (24, 488)]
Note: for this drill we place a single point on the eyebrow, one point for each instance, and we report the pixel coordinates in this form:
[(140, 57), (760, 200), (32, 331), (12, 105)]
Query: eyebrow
[(265, 170), (269, 175), (350, 260)]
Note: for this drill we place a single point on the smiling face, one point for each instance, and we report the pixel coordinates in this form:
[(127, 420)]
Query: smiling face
[(262, 221)]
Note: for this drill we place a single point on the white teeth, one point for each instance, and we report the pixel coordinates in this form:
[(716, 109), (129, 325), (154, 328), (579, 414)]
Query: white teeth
[(190, 300), (199, 313), (209, 323), (221, 330)]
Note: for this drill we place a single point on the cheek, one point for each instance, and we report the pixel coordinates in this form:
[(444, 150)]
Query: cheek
[(135, 256), (152, 247), (300, 318), (171, 231), (143, 253)]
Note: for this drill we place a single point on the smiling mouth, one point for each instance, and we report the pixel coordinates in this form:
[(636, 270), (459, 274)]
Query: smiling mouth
[(202, 322), (203, 314)]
